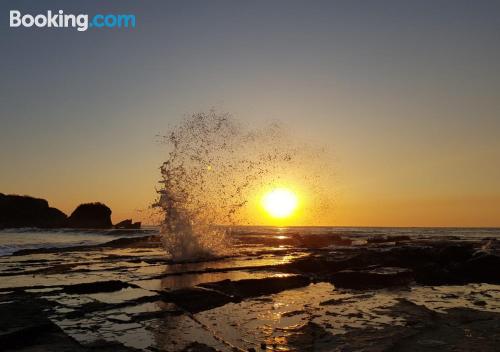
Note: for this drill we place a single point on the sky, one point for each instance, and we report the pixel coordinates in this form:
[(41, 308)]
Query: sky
[(405, 94)]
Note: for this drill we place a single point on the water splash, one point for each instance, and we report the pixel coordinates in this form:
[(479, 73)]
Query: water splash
[(214, 165)]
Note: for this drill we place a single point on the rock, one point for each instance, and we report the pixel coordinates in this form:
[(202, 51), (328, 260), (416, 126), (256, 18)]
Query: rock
[(216, 294), (306, 337), (128, 224), (134, 242), (198, 347), (54, 218), (384, 239), (483, 267), (27, 327), (431, 343), (432, 263), (26, 323), (372, 278), (91, 215), (457, 330), (96, 287), (322, 241), (334, 302), (454, 253), (25, 211), (197, 299), (258, 287), (136, 225), (321, 267), (125, 224)]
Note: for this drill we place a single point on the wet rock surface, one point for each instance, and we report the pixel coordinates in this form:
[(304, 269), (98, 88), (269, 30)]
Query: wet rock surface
[(197, 299), (286, 292), (382, 277), (258, 287), (25, 326), (432, 263)]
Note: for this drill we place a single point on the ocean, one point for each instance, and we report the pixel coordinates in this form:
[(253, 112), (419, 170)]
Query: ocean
[(12, 240)]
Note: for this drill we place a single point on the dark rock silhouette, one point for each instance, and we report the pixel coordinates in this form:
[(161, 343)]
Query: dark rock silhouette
[(25, 211), (91, 216), (128, 224), (373, 278), (96, 287)]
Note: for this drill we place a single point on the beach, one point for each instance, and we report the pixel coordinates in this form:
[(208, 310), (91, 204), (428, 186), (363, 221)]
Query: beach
[(278, 289)]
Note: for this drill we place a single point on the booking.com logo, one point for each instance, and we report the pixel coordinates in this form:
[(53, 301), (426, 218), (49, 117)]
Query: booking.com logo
[(81, 22)]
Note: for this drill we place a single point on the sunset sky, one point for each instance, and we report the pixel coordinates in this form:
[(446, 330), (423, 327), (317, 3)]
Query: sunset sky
[(405, 95)]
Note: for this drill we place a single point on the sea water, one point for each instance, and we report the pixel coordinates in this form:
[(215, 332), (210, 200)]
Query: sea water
[(12, 240)]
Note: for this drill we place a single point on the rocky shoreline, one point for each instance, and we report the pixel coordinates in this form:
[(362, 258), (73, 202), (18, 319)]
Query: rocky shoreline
[(292, 292)]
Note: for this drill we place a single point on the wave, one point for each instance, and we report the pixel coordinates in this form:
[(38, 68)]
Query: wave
[(214, 165)]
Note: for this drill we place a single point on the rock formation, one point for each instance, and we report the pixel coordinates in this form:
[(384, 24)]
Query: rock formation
[(25, 211), (128, 224), (91, 216)]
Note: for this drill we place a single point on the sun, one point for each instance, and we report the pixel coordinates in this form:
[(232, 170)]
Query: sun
[(280, 203)]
